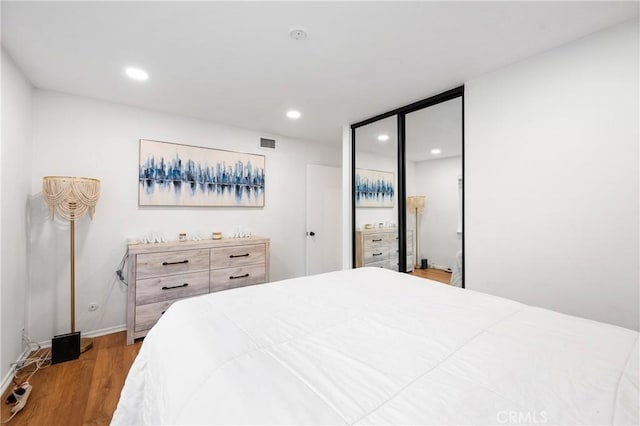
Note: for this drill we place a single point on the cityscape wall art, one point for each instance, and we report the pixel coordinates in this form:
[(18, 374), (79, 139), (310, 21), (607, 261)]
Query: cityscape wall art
[(374, 188), (170, 174)]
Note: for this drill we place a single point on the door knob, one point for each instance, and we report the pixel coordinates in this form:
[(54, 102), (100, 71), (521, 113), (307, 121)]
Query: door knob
[(311, 234)]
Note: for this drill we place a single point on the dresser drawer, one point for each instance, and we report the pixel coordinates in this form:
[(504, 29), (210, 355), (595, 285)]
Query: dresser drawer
[(381, 264), (410, 242), (225, 257), (375, 254), (395, 252), (148, 315), (223, 279), (375, 240), (392, 238), (171, 263), (169, 287), (394, 264)]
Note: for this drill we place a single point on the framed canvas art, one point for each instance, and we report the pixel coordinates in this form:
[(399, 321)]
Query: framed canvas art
[(171, 174), (374, 188)]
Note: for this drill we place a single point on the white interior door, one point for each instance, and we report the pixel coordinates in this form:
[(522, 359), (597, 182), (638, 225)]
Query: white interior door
[(324, 221)]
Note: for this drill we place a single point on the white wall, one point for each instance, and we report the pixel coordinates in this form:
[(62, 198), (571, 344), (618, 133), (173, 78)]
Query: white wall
[(347, 243), (552, 179), (437, 180), (15, 172), (82, 137)]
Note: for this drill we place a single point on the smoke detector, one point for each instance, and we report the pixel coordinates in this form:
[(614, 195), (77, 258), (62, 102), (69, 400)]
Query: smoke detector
[(298, 33)]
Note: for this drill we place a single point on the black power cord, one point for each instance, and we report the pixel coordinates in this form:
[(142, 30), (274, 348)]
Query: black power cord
[(119, 273)]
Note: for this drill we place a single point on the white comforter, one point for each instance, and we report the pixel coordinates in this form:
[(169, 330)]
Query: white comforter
[(371, 346)]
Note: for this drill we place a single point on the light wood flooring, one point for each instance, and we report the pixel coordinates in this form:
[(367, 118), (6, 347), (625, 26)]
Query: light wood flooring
[(84, 391), (433, 274)]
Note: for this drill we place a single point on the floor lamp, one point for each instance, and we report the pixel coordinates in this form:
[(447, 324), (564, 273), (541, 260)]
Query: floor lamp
[(72, 197), (415, 204)]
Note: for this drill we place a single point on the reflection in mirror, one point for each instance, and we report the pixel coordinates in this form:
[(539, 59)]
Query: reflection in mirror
[(376, 199), (434, 171)]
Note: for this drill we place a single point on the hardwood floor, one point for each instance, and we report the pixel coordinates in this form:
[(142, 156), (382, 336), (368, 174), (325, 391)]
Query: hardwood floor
[(84, 391), (433, 274)]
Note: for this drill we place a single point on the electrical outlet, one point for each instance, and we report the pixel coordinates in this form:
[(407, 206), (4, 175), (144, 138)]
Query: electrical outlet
[(93, 307)]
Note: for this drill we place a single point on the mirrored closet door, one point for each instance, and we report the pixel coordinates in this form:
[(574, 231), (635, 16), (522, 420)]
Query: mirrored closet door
[(408, 185), (376, 195), (433, 164)]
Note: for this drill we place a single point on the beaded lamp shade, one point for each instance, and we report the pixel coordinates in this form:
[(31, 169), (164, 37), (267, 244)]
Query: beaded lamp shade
[(71, 197), (416, 203)]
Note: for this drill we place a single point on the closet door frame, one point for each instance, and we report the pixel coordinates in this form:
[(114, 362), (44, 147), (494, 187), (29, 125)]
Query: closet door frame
[(401, 113)]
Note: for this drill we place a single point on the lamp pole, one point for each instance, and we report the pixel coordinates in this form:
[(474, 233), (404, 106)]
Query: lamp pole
[(85, 343), (72, 255), (416, 255)]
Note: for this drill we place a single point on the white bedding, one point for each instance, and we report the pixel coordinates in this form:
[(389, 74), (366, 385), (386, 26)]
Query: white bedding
[(371, 346)]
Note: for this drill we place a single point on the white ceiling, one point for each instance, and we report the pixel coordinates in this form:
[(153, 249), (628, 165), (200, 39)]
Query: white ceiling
[(234, 63), (436, 127)]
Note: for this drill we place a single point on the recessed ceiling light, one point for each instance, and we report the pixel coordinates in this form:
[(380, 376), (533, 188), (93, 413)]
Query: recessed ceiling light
[(136, 73), (293, 114), (435, 151), (383, 138)]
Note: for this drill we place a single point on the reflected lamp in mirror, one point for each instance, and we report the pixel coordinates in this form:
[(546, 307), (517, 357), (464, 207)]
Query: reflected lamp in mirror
[(415, 204)]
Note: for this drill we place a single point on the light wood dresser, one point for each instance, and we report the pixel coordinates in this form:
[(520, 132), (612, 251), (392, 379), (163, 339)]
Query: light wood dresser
[(378, 247), (163, 273)]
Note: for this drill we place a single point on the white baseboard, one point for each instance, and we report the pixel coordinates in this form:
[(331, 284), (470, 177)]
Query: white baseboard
[(94, 333), (441, 267), (103, 331), (6, 380)]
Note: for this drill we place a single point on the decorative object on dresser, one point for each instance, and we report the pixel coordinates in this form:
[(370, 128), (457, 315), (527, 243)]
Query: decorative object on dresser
[(378, 247), (170, 174), (415, 204), (163, 273), (71, 198)]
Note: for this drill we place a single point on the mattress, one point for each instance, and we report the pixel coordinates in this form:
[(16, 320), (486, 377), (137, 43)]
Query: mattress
[(371, 346)]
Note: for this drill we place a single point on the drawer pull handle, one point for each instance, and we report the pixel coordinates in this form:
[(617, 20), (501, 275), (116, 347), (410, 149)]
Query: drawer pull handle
[(377, 254), (174, 263), (175, 286), (239, 276), (239, 255), (376, 241)]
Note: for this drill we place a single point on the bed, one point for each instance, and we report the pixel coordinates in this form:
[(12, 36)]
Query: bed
[(371, 346)]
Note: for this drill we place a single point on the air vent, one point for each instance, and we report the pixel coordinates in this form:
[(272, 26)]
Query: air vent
[(267, 143)]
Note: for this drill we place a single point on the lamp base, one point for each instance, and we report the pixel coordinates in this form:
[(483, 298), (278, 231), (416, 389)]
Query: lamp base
[(86, 343), (65, 347)]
